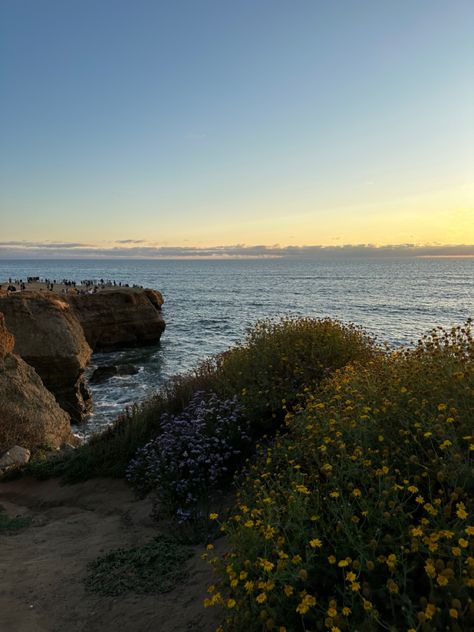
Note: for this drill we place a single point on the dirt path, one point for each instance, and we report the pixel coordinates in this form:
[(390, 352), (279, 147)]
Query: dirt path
[(43, 566)]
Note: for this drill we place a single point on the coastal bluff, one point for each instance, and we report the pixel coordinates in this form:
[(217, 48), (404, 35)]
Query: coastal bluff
[(115, 318), (52, 334), (49, 338), (29, 415)]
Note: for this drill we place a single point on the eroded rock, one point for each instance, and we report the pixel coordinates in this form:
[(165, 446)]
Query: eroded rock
[(14, 457), (119, 317), (49, 337), (106, 371), (30, 416)]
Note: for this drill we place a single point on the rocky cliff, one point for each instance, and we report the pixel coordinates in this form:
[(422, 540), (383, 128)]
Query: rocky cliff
[(49, 337), (29, 414), (119, 317)]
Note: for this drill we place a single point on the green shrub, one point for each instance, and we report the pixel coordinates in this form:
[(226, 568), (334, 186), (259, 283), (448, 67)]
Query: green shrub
[(361, 517), (280, 358)]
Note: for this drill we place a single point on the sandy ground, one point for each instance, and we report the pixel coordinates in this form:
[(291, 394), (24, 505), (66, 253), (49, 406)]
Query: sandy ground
[(43, 566)]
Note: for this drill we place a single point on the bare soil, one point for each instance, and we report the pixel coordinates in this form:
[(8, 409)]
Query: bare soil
[(42, 567)]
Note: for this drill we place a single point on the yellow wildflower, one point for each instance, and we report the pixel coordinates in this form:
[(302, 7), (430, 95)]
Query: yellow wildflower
[(306, 603), (461, 511)]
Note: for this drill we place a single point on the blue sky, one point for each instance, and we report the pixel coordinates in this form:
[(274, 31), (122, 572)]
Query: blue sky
[(198, 123)]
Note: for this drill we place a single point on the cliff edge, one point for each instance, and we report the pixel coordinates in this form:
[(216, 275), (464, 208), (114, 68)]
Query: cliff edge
[(119, 317), (49, 337), (29, 414)]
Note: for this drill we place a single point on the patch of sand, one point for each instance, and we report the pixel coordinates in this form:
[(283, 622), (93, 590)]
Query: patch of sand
[(42, 567)]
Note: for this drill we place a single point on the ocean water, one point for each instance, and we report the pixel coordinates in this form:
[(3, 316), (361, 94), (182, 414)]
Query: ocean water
[(209, 305)]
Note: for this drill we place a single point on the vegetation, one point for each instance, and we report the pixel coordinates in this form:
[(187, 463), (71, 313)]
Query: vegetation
[(12, 525), (281, 358), (193, 457), (109, 453), (155, 567), (357, 510), (275, 363), (361, 515)]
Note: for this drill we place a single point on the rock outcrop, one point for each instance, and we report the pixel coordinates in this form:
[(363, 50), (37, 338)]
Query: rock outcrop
[(107, 371), (49, 337), (29, 414), (14, 457), (119, 317)]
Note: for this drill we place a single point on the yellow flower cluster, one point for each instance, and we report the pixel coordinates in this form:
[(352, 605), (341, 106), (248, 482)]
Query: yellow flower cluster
[(361, 515)]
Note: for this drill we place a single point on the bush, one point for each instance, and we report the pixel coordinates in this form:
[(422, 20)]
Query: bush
[(194, 454), (362, 515), (279, 359)]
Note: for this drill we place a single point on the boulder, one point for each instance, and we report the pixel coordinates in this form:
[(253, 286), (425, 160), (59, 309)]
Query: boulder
[(103, 373), (127, 369), (49, 337), (14, 457), (106, 371), (30, 416), (119, 317)]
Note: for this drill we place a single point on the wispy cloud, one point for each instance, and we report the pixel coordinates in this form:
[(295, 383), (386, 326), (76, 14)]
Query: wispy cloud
[(130, 241), (139, 249)]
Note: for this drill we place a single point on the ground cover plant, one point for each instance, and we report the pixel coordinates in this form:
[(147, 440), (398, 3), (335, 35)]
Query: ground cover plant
[(12, 525), (155, 567), (361, 515)]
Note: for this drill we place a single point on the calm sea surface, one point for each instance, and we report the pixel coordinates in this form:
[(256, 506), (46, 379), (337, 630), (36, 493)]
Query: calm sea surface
[(210, 304)]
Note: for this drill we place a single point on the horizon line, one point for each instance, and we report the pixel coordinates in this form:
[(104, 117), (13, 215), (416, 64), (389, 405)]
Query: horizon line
[(142, 250)]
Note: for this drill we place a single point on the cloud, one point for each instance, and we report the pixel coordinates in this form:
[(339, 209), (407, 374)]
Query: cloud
[(130, 241), (137, 249)]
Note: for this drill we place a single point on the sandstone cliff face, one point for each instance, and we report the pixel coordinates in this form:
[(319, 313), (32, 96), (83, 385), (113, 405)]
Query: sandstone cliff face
[(29, 414), (49, 337), (116, 318)]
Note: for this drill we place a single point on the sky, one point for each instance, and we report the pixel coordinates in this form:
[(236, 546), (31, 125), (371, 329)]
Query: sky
[(134, 127)]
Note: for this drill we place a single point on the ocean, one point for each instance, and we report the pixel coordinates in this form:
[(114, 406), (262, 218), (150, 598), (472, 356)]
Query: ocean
[(209, 306)]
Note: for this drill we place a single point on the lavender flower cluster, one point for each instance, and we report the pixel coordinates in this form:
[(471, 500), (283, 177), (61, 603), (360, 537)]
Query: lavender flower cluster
[(194, 453)]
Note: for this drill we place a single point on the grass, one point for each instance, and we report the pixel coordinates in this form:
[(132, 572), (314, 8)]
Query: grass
[(155, 567)]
